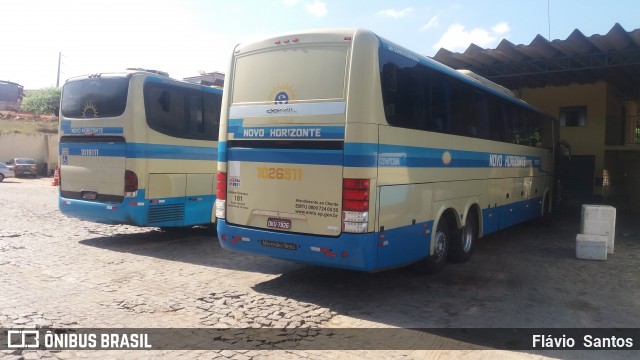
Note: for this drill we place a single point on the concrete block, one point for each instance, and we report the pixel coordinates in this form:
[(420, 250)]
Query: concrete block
[(591, 247), (599, 220)]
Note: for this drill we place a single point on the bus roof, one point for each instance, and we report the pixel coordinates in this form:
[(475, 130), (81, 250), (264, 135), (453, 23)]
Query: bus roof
[(348, 34), (150, 73)]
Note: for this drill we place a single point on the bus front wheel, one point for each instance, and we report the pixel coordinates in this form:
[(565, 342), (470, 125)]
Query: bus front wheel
[(462, 245), (434, 263)]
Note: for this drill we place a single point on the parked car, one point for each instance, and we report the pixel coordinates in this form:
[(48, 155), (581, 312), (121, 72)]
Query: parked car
[(23, 166), (5, 172)]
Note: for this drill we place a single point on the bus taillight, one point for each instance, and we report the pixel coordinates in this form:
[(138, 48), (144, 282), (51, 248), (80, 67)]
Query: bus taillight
[(130, 184), (355, 205), (221, 195)]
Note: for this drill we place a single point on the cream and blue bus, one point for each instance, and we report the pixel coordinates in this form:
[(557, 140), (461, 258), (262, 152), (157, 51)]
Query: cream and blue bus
[(138, 148), (342, 149)]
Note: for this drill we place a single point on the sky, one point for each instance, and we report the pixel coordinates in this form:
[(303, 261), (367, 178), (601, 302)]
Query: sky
[(185, 37)]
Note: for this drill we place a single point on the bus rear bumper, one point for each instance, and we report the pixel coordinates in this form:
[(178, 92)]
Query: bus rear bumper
[(347, 251), (104, 213)]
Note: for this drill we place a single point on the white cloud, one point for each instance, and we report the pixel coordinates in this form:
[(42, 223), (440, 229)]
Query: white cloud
[(396, 14), (457, 38), (433, 23), (318, 8), (501, 28)]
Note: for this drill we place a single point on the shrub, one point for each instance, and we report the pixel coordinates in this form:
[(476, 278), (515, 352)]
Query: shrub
[(42, 102)]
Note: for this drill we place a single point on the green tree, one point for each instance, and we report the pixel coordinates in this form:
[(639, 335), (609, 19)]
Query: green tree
[(43, 102)]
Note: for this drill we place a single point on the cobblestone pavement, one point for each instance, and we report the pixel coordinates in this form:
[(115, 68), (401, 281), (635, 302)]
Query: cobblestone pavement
[(61, 272)]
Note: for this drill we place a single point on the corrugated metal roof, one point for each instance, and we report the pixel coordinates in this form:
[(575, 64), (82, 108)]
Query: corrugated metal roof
[(614, 58)]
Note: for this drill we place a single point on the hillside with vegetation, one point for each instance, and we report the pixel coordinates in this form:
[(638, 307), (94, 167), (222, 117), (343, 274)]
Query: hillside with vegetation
[(12, 122), (36, 115)]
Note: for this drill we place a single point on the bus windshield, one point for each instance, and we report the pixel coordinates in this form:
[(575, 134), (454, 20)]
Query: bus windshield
[(255, 84), (95, 98)]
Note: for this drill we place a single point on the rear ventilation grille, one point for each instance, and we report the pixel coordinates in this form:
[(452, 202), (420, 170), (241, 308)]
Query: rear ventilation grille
[(162, 213)]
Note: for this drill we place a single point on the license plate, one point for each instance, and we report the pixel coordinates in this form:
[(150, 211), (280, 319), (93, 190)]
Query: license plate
[(279, 223), (89, 195), (279, 245)]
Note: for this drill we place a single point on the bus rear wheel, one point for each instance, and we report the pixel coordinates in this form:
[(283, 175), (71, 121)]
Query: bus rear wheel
[(435, 263), (463, 244)]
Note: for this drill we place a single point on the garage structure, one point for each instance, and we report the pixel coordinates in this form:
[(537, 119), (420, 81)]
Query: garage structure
[(592, 85)]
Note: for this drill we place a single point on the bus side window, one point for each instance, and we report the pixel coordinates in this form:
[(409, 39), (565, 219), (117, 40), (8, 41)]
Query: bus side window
[(165, 110), (390, 75), (165, 101), (439, 105), (196, 115), (212, 105), (497, 120)]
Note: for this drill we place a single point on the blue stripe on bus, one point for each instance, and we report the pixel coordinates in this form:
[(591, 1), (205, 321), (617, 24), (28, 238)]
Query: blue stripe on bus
[(92, 149), (171, 152), (412, 156), (360, 155), (383, 155), (139, 151), (222, 151), (239, 131), (67, 129)]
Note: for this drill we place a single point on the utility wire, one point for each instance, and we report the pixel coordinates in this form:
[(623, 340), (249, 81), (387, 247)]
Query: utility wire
[(549, 18)]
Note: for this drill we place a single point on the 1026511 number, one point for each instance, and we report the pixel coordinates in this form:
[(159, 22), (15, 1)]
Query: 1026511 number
[(292, 174)]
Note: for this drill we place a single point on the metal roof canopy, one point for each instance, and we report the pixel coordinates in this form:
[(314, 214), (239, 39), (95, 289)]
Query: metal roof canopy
[(613, 58)]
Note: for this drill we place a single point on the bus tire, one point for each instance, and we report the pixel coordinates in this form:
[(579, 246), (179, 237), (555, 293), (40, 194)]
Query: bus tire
[(462, 245), (435, 263)]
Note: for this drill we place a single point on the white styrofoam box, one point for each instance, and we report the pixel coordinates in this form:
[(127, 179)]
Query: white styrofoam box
[(599, 220), (591, 247)]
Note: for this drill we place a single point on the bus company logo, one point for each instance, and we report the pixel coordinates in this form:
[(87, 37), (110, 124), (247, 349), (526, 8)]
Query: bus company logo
[(65, 159), (89, 110), (23, 339), (446, 158), (281, 98), (283, 93)]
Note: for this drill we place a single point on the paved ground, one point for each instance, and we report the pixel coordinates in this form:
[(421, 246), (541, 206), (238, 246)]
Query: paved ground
[(61, 272)]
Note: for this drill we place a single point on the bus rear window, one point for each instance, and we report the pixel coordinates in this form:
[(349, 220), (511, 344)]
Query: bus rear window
[(291, 74), (95, 98)]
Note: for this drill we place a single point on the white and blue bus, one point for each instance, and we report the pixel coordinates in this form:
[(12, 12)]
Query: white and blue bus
[(342, 149), (138, 148)]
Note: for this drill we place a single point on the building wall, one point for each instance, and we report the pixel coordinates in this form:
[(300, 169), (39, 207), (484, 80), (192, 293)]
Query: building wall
[(43, 148), (588, 140), (608, 136)]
